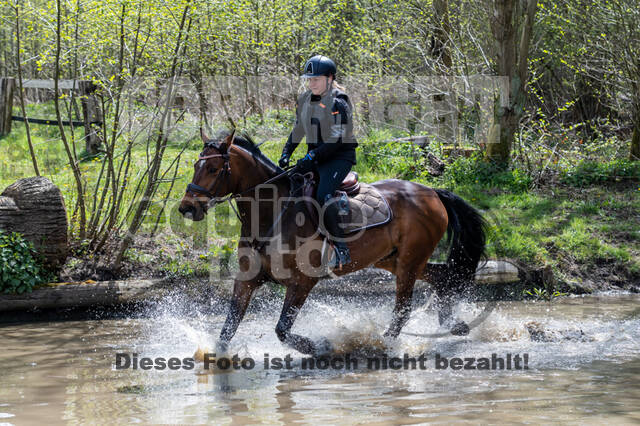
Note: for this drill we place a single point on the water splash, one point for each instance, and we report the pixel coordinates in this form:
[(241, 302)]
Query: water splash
[(356, 327)]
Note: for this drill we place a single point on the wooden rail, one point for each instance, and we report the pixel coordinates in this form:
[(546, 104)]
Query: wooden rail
[(92, 116)]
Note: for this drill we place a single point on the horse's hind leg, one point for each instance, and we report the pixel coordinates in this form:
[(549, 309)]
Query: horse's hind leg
[(449, 287), (405, 281), (446, 318), (407, 270), (293, 301), (408, 266)]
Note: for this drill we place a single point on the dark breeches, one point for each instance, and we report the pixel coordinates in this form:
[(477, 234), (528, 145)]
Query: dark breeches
[(331, 174)]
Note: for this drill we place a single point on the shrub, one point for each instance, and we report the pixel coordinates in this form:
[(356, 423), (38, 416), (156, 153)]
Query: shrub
[(587, 173), (20, 265), (476, 170), (380, 154)]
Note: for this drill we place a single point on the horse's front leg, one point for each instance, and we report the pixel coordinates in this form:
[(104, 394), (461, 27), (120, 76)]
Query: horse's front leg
[(293, 301), (242, 291)]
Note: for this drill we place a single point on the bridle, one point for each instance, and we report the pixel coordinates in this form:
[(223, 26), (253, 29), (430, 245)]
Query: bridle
[(226, 171)]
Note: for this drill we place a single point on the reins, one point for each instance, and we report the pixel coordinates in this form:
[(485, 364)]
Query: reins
[(226, 171)]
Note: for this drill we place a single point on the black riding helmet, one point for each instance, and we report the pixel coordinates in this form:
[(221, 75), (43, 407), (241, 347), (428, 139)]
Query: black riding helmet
[(319, 65)]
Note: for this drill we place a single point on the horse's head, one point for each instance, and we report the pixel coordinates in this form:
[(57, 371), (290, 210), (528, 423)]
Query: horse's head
[(212, 177)]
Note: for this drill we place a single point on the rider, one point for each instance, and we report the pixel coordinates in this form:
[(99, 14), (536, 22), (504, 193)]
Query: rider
[(323, 116)]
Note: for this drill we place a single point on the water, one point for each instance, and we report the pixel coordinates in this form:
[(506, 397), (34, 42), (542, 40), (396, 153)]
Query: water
[(63, 372)]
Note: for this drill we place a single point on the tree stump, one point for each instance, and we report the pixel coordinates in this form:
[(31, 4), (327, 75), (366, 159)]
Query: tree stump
[(435, 166), (34, 207)]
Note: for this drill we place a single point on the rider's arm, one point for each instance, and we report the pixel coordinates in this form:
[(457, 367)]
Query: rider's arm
[(341, 113), (295, 136)]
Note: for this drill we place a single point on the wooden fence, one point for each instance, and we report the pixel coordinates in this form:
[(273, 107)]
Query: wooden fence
[(92, 116)]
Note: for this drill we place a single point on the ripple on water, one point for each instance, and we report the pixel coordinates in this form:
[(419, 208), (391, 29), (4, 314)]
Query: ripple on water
[(568, 377)]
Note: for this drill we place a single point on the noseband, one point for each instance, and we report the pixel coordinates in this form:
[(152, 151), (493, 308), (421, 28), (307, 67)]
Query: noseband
[(226, 171)]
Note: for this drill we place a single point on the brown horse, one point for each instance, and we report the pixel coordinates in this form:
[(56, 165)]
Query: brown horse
[(235, 167)]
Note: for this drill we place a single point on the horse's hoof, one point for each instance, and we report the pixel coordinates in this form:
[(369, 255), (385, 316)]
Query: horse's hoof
[(460, 329), (221, 347), (200, 353), (390, 334), (322, 347)]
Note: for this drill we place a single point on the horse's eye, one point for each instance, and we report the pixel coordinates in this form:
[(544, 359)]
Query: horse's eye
[(212, 169)]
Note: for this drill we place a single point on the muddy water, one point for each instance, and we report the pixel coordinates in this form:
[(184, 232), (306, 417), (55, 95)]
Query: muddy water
[(64, 372)]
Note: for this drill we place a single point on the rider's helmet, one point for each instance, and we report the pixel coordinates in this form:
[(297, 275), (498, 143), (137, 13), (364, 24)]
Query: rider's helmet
[(319, 65)]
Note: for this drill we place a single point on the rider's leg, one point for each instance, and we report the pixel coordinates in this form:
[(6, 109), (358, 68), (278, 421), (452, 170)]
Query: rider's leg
[(331, 174)]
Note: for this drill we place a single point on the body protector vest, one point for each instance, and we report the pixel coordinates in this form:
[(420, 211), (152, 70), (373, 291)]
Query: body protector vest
[(326, 121)]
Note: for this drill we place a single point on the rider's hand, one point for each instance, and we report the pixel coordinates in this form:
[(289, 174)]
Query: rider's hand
[(283, 161), (305, 164)]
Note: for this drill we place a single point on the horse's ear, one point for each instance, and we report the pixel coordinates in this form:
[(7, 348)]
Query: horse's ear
[(204, 136), (228, 141)]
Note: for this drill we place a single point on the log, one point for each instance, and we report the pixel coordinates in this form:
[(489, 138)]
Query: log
[(366, 282), (80, 294), (34, 207), (453, 151), (497, 271), (420, 140), (435, 166)]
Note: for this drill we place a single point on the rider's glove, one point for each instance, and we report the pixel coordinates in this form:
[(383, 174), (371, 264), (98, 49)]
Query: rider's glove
[(305, 164), (284, 160)]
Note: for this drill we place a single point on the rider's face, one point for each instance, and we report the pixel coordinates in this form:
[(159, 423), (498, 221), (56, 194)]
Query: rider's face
[(319, 84)]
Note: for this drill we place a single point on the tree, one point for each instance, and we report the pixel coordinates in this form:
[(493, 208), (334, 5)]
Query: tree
[(511, 62)]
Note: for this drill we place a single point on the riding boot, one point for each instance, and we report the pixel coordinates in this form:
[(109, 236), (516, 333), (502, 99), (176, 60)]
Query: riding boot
[(336, 234)]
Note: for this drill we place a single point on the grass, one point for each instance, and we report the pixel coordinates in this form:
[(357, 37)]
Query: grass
[(585, 221), (584, 226)]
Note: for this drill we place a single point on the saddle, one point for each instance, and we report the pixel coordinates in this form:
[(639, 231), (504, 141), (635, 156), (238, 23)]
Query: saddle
[(367, 206), (350, 184)]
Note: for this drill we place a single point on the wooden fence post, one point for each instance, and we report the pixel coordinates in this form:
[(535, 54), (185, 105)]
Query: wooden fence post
[(6, 104), (92, 116)]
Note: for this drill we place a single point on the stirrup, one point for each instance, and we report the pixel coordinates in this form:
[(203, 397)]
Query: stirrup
[(340, 258)]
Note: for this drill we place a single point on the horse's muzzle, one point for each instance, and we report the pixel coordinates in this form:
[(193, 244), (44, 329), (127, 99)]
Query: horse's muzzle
[(191, 211)]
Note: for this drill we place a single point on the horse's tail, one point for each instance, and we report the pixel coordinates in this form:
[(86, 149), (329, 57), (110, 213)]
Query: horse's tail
[(467, 236)]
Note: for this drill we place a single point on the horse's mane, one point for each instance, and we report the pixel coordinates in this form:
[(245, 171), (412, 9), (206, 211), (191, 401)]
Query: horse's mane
[(244, 141)]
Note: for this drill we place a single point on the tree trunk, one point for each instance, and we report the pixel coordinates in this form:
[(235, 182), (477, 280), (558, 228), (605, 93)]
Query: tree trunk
[(92, 117), (34, 160), (635, 140), (634, 152), (73, 161), (511, 63), (161, 144), (6, 104), (440, 41), (443, 103)]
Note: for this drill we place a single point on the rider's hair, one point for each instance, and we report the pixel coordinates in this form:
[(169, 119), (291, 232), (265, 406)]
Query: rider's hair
[(335, 85)]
